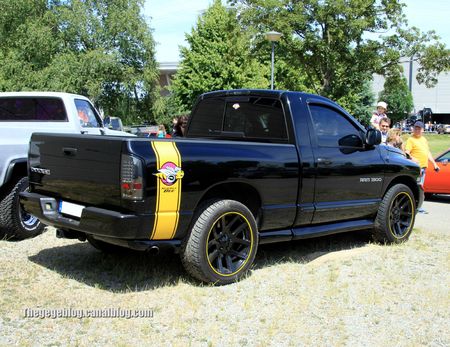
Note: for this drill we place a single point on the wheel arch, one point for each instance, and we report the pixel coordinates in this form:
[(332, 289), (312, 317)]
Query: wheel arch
[(15, 170), (242, 192), (410, 183)]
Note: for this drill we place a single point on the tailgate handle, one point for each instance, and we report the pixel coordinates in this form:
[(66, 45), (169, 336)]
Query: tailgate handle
[(70, 151)]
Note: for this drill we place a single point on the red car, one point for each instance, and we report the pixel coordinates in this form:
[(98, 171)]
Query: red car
[(439, 182)]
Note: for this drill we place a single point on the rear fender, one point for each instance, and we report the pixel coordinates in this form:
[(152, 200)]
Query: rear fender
[(17, 168)]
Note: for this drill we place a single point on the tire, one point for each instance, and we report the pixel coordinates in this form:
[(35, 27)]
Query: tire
[(105, 247), (396, 215), (14, 221), (222, 244)]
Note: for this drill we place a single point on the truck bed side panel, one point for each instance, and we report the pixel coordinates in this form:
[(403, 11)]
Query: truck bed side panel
[(271, 169)]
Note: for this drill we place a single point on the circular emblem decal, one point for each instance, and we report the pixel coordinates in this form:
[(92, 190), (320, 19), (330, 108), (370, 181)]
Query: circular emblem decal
[(169, 173)]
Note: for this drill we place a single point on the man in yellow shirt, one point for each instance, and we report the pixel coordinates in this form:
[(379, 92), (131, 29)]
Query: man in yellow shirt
[(417, 147)]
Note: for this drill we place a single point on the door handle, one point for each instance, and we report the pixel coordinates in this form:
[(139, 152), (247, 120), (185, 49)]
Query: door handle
[(70, 151), (324, 161)]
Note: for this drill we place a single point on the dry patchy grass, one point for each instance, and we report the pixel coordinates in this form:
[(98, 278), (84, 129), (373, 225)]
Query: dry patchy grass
[(337, 290)]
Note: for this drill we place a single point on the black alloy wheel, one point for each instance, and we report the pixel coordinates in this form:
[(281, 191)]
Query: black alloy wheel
[(229, 244), (222, 243), (396, 214), (401, 214)]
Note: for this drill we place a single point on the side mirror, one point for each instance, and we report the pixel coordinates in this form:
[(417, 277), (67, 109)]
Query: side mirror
[(373, 137)]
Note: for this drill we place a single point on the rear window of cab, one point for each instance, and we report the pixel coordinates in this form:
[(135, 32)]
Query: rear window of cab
[(254, 118)]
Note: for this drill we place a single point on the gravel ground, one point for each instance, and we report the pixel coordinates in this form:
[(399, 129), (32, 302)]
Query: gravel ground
[(338, 290)]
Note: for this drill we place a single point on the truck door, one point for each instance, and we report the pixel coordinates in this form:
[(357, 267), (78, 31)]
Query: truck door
[(349, 177)]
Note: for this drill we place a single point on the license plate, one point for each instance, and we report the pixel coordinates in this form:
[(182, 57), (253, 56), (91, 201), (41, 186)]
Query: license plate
[(70, 209)]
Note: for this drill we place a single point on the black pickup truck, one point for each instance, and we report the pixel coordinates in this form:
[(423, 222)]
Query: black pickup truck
[(256, 166)]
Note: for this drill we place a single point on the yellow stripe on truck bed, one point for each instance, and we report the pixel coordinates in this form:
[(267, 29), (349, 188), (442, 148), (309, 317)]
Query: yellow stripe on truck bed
[(168, 190)]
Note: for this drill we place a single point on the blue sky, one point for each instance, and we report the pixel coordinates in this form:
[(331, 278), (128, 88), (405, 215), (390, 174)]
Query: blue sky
[(171, 19)]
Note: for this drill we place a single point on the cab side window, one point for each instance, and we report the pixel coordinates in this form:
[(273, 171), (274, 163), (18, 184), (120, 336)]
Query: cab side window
[(87, 114), (333, 129)]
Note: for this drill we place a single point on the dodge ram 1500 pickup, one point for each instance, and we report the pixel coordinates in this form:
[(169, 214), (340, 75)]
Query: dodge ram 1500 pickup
[(256, 166)]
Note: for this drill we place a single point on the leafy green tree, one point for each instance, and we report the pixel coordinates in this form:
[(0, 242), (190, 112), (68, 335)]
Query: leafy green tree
[(335, 45), (99, 48), (398, 97), (218, 57), (359, 103)]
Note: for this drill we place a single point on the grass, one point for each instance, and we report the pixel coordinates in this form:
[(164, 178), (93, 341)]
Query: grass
[(438, 143), (336, 290)]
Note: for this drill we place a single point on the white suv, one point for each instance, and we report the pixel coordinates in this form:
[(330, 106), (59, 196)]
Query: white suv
[(21, 114)]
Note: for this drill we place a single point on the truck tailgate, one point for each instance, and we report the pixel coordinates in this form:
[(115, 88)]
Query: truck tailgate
[(76, 168)]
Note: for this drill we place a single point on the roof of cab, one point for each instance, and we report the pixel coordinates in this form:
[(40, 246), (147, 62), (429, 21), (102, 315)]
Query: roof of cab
[(261, 92), (43, 94)]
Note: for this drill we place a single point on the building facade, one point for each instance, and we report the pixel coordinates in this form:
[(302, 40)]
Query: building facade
[(436, 98)]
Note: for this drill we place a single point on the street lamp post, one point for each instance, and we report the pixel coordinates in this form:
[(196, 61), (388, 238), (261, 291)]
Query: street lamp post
[(272, 36)]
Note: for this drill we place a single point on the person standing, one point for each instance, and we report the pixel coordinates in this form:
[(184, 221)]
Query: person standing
[(176, 129), (179, 126), (378, 114), (384, 126), (417, 147)]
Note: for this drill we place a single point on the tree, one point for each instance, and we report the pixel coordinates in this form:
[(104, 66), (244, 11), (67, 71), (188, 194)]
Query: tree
[(99, 48), (335, 45), (359, 103), (398, 97), (218, 57)]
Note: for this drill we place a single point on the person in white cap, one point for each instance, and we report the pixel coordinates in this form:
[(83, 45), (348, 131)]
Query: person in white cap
[(378, 114)]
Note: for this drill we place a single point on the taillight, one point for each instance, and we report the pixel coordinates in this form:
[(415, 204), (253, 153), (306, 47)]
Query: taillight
[(131, 182)]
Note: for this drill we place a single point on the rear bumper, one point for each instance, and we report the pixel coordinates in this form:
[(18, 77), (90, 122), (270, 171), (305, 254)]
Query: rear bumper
[(153, 246), (94, 221)]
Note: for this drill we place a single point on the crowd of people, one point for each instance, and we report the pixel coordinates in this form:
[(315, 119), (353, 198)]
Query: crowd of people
[(416, 146), (179, 125)]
